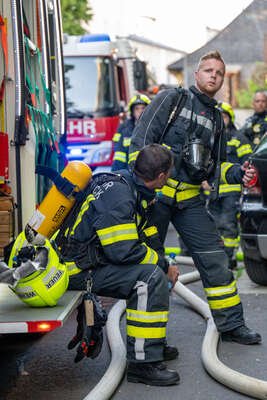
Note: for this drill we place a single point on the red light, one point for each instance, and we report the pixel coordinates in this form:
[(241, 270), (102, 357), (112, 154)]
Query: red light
[(43, 326)]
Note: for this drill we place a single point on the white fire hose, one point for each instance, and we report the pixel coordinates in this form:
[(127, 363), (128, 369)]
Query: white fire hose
[(233, 379)]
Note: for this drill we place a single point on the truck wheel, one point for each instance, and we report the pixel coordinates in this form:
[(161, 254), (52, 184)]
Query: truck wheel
[(256, 270)]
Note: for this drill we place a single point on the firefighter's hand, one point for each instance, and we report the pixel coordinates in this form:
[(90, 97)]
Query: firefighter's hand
[(205, 185), (250, 172), (173, 274)]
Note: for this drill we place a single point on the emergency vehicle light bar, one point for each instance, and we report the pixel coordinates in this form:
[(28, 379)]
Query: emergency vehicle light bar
[(98, 37)]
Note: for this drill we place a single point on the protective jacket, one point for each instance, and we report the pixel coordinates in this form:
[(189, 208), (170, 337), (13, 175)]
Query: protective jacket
[(199, 119), (255, 127), (111, 235), (237, 150), (112, 225), (121, 141)]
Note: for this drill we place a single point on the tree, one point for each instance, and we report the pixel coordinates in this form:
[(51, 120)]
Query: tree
[(74, 12), (257, 81)]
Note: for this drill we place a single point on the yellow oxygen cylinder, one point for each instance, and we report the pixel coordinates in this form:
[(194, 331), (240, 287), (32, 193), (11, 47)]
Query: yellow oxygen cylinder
[(54, 208)]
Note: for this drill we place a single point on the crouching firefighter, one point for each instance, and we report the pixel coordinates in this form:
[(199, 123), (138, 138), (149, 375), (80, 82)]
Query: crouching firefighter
[(112, 239)]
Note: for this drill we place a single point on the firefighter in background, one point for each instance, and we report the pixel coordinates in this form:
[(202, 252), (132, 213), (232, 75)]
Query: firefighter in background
[(122, 138), (111, 234), (226, 207), (256, 125), (188, 123)]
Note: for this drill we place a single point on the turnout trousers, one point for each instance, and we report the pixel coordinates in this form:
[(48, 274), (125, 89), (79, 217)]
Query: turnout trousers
[(198, 231), (225, 212), (145, 288)]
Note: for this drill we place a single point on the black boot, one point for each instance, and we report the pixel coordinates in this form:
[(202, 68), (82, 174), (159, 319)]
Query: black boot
[(242, 334), (170, 353), (153, 374)]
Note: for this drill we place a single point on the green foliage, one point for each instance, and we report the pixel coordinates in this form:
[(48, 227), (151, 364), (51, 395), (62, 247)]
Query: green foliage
[(73, 13), (258, 81)]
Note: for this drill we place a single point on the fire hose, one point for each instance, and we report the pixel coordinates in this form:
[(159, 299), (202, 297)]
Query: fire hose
[(235, 380)]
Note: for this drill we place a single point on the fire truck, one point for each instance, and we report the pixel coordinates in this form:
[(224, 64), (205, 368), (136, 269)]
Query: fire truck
[(32, 131), (101, 76)]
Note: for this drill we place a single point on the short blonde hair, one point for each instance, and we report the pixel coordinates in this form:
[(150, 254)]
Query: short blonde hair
[(215, 54)]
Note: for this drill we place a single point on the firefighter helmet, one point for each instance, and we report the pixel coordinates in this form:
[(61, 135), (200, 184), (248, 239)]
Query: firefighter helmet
[(227, 108), (46, 285), (138, 99)]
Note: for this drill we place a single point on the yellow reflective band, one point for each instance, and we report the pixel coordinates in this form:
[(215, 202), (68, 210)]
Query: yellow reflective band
[(152, 230), (145, 316), (117, 233), (224, 168), (172, 183), (167, 146), (224, 303), (126, 142), (233, 142), (72, 268), (167, 191), (226, 188), (83, 209), (243, 150), (133, 156), (186, 186), (120, 156), (146, 333), (116, 137), (221, 290), (231, 242), (151, 256), (186, 194)]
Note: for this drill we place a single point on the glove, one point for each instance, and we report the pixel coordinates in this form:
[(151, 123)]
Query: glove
[(91, 318)]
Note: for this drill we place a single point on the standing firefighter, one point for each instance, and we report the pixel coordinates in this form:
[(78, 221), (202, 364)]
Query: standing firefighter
[(112, 236), (256, 125), (188, 123), (225, 208), (122, 138)]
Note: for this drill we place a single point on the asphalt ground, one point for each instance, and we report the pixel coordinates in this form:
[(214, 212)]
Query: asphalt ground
[(41, 367)]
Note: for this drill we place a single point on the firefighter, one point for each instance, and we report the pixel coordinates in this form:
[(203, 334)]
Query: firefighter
[(122, 138), (225, 208), (256, 125), (188, 123), (111, 235)]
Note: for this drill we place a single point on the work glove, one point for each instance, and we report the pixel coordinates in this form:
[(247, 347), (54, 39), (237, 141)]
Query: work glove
[(91, 318)]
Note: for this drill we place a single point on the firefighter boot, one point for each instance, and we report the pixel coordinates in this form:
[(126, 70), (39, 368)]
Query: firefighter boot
[(242, 334), (170, 353), (153, 374)]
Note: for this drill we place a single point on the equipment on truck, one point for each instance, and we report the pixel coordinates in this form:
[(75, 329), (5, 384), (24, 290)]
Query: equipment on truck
[(101, 76)]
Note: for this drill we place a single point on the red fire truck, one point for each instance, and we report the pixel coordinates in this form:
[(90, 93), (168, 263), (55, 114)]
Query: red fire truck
[(100, 78)]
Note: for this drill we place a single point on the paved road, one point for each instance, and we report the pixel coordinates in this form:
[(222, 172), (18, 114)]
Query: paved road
[(43, 368)]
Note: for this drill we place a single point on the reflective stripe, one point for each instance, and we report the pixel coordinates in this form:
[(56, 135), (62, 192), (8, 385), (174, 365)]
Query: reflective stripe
[(231, 242), (83, 209), (224, 303), (116, 137), (172, 183), (243, 150), (117, 233), (185, 186), (145, 316), (72, 268), (133, 156), (201, 120), (167, 146), (186, 194), (226, 188), (224, 168), (142, 299), (126, 142), (167, 191), (146, 333), (120, 156), (151, 256), (233, 142), (221, 290), (152, 230)]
